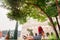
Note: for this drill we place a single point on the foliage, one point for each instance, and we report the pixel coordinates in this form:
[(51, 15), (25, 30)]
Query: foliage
[(51, 11), (55, 23), (30, 30), (52, 37), (15, 12), (19, 11)]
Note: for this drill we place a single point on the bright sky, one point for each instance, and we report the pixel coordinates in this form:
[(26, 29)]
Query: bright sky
[(5, 23)]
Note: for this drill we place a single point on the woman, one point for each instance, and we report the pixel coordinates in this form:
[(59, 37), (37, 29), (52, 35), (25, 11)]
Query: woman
[(1, 36), (41, 32)]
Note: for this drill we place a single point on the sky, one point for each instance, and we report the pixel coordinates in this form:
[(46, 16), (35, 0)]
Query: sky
[(5, 22)]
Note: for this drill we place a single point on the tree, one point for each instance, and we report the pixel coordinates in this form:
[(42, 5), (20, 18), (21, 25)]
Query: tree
[(16, 31)]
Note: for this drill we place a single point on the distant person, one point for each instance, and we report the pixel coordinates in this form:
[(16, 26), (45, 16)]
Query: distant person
[(7, 37), (47, 34), (30, 37), (37, 37), (53, 36), (1, 37), (40, 31), (24, 37)]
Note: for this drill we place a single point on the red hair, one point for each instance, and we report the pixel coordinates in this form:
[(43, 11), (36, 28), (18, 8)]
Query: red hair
[(40, 30)]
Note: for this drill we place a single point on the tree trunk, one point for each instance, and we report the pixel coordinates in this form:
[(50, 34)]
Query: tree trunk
[(53, 27), (58, 8), (57, 23)]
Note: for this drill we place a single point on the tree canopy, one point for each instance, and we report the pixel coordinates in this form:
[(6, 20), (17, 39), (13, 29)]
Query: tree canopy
[(21, 9)]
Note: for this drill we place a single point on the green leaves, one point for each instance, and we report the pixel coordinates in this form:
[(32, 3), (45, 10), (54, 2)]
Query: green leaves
[(55, 23), (21, 9), (35, 14), (12, 3), (30, 30), (15, 10), (51, 11)]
